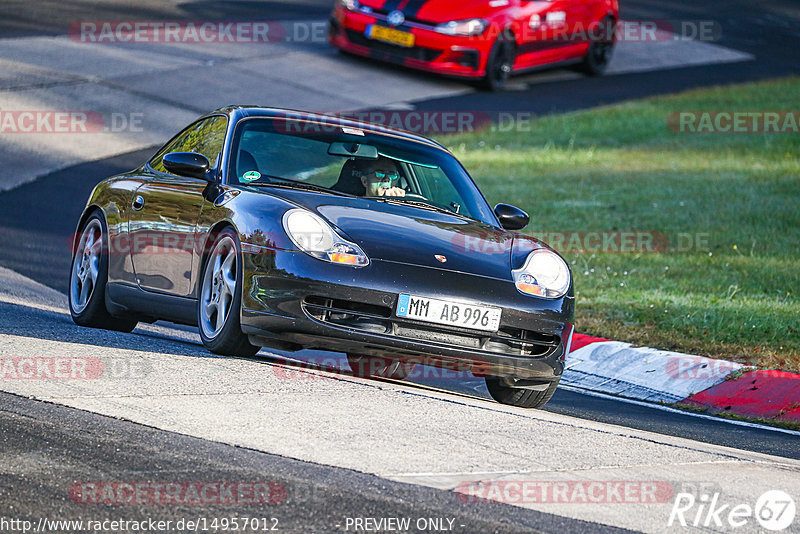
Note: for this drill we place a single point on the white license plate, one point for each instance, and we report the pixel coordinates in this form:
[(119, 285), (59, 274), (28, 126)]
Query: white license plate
[(447, 312)]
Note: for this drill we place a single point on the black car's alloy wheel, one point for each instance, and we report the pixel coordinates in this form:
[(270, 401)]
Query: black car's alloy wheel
[(218, 308), (88, 278), (502, 392)]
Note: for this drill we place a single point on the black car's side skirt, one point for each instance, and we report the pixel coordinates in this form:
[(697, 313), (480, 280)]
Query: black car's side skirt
[(128, 300)]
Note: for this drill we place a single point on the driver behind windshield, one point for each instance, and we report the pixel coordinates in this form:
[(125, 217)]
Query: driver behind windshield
[(380, 177)]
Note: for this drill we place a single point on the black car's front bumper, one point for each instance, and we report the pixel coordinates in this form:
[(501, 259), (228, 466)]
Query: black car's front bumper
[(290, 299)]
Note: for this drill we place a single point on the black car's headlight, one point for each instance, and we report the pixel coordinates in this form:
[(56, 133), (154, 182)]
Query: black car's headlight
[(462, 27), (311, 234), (544, 274)]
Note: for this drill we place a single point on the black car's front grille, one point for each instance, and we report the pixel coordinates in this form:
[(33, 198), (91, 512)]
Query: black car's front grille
[(392, 52), (356, 315), (374, 319)]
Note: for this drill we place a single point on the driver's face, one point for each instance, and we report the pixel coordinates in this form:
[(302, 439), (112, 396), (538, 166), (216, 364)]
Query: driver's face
[(381, 177)]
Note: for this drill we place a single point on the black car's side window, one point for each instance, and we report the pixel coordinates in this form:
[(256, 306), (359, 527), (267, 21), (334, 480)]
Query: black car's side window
[(205, 137)]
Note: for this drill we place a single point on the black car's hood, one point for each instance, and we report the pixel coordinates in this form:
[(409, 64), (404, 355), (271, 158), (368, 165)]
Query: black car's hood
[(407, 234), (416, 236)]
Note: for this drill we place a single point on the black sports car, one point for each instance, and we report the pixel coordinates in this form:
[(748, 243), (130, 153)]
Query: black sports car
[(292, 230)]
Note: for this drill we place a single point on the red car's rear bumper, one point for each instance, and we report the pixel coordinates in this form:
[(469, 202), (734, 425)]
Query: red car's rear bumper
[(432, 51)]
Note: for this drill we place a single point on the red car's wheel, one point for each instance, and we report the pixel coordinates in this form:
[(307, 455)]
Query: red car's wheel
[(500, 62), (597, 58)]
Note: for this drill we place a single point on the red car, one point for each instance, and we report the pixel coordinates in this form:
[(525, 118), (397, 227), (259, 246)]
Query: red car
[(484, 40)]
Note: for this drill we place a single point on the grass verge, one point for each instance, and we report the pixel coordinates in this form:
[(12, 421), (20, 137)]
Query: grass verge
[(729, 204)]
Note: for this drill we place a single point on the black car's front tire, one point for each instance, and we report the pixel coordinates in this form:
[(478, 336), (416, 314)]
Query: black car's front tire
[(220, 299), (503, 393), (88, 278)]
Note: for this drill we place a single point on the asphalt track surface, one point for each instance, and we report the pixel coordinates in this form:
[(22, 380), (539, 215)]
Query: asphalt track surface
[(37, 219), (47, 447), (768, 30)]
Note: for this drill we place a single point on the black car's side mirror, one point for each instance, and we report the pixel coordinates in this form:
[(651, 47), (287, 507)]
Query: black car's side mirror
[(189, 164), (511, 217)]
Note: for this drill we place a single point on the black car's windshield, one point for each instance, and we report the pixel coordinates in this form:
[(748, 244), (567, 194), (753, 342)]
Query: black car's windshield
[(281, 152)]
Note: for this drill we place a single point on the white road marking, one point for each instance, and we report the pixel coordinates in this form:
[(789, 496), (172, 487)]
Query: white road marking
[(643, 373)]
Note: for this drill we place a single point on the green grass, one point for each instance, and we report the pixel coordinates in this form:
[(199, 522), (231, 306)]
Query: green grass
[(621, 168)]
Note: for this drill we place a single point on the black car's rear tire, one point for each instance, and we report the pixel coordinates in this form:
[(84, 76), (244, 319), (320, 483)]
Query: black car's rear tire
[(597, 58), (366, 366), (89, 276), (522, 397), (219, 299)]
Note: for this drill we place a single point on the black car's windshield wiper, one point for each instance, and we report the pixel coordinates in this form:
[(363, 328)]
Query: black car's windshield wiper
[(420, 204), (287, 183)]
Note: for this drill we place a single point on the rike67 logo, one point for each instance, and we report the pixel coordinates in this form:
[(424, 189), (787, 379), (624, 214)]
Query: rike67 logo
[(774, 510)]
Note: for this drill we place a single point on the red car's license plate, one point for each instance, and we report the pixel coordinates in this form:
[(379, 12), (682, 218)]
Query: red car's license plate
[(388, 35)]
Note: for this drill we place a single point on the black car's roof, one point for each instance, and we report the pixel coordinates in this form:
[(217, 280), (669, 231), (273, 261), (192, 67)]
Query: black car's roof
[(240, 112)]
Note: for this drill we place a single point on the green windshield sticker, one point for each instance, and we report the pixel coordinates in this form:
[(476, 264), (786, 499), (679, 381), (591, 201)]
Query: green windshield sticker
[(251, 176)]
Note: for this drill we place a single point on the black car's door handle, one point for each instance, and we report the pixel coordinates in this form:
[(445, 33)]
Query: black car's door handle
[(138, 202)]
